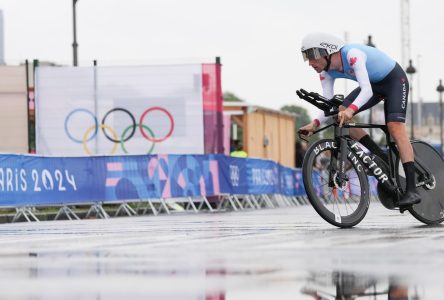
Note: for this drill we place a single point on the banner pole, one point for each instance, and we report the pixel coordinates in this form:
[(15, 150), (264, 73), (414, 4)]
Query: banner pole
[(35, 64), (27, 104), (96, 104), (219, 107)]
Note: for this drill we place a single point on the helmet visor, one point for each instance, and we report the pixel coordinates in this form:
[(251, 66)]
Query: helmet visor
[(314, 53)]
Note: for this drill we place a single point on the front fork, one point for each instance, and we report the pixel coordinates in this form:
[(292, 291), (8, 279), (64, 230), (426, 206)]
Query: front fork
[(337, 175)]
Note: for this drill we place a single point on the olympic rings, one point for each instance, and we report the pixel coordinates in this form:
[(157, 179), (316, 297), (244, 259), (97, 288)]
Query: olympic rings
[(168, 115), (132, 119), (89, 113), (114, 137), (85, 136), (122, 139)]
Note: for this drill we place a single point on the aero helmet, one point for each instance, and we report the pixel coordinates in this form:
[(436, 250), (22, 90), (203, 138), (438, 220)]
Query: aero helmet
[(317, 45)]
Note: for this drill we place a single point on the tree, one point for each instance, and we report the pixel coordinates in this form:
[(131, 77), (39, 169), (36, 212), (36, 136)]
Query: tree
[(231, 97), (302, 117)]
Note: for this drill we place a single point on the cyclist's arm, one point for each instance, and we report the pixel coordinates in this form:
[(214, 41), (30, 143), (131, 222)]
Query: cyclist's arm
[(357, 60), (327, 83)]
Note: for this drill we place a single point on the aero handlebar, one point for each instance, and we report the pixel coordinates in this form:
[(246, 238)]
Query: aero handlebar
[(314, 99), (321, 102), (330, 107)]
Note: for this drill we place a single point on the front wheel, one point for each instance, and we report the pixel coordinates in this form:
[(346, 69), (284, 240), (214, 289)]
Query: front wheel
[(340, 203), (431, 208)]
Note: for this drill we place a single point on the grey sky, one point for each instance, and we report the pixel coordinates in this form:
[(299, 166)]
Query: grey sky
[(257, 40)]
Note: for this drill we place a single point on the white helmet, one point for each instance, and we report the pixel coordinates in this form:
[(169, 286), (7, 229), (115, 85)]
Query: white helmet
[(317, 45)]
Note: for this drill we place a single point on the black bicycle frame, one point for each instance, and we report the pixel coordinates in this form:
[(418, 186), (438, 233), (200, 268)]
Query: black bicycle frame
[(356, 154), (388, 180)]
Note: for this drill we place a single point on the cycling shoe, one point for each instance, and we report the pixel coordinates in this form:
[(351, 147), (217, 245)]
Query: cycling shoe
[(409, 198)]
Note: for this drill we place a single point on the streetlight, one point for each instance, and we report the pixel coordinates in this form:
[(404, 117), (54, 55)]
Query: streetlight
[(370, 117), (440, 89), (370, 42), (74, 44), (411, 70)]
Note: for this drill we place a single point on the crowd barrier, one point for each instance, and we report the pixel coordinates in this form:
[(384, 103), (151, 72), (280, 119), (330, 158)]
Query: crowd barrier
[(30, 181)]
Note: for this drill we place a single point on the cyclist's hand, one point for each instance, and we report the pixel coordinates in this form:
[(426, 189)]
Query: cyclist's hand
[(308, 129), (345, 116)]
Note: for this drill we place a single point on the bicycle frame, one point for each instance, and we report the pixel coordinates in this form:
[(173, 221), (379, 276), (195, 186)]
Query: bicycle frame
[(424, 171), (355, 153), (350, 148)]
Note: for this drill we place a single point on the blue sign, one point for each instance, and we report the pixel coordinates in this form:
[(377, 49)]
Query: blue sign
[(35, 180)]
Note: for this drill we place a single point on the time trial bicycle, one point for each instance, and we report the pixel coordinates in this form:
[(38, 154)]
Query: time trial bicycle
[(335, 172)]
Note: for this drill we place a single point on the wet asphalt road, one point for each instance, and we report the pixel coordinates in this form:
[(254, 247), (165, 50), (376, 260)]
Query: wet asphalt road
[(263, 254)]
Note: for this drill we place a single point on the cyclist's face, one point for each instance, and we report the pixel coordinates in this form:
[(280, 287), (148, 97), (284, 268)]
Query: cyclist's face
[(318, 64)]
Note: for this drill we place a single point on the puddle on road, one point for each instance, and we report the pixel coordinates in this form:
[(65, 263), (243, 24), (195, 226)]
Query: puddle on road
[(102, 277), (348, 285)]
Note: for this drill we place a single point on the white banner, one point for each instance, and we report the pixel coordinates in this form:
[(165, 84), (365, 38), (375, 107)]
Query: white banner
[(119, 110), (13, 109)]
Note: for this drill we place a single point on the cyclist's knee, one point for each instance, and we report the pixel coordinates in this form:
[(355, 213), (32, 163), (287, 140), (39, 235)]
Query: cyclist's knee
[(397, 129)]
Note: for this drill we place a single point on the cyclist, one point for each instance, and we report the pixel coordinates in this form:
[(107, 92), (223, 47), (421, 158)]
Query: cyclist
[(379, 77)]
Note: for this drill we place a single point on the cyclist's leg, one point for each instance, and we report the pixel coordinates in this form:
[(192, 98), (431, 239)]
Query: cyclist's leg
[(395, 113), (395, 109), (360, 134), (398, 131)]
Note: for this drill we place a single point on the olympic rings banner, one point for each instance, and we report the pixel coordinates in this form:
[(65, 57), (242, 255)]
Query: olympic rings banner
[(120, 110), (27, 180)]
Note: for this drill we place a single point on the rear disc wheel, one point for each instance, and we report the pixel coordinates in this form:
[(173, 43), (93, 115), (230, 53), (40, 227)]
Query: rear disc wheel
[(431, 208)]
